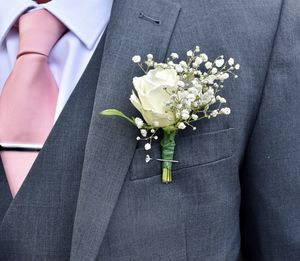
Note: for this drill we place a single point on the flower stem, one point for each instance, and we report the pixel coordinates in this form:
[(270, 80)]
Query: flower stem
[(168, 148), (166, 175)]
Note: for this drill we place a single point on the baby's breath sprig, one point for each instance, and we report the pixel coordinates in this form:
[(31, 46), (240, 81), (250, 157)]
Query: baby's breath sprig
[(147, 133), (174, 95)]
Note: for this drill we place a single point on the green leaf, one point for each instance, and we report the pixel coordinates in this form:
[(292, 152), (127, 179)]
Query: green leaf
[(114, 112)]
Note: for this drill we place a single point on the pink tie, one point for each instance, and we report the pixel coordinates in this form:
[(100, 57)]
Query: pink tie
[(29, 96)]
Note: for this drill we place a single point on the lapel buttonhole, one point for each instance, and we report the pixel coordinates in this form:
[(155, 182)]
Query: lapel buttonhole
[(149, 19)]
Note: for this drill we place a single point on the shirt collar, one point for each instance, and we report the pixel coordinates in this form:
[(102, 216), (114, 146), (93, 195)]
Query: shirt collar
[(86, 19), (9, 13)]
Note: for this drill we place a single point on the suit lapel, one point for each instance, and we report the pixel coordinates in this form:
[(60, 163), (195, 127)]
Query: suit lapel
[(111, 142), (5, 194)]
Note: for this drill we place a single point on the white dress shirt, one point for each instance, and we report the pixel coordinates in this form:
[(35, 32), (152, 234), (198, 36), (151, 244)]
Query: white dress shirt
[(86, 21)]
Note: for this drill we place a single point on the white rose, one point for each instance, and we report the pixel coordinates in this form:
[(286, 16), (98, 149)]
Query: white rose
[(151, 96)]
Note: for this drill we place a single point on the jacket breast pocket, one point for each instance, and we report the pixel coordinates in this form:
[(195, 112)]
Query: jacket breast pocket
[(193, 150)]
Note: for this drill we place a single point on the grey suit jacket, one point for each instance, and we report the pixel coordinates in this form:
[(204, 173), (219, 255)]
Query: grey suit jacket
[(235, 192), (236, 186)]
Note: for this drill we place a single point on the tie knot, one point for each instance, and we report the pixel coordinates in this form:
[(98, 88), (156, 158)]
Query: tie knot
[(39, 31)]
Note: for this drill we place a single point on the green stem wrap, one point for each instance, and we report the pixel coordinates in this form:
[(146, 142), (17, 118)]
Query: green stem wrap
[(168, 148)]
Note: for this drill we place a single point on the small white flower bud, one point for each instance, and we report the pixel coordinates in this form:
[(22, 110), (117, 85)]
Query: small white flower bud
[(190, 53), (155, 137), (226, 76), (152, 130), (204, 57), (221, 99), (195, 66), (139, 122), (185, 114), (225, 111), (183, 64), (237, 66), (148, 158), (197, 49), (149, 56), (143, 132), (214, 113), (181, 126), (136, 59), (174, 56), (198, 60), (211, 78), (219, 63), (147, 146), (214, 70), (223, 76), (231, 61), (208, 65), (194, 117), (138, 138)]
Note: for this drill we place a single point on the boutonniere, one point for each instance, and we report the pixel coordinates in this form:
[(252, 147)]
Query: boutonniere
[(173, 96)]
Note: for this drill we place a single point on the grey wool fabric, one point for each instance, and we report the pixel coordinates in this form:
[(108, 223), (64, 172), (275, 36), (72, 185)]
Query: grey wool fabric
[(235, 195)]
